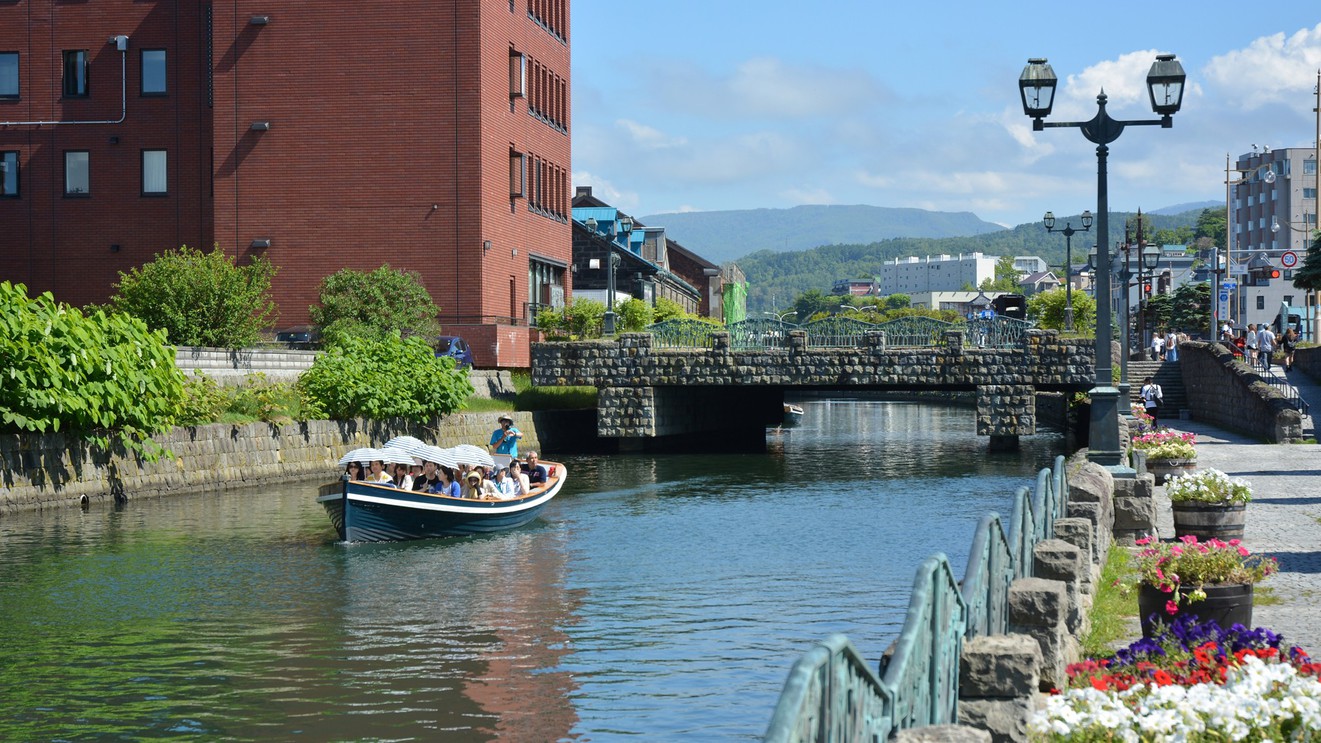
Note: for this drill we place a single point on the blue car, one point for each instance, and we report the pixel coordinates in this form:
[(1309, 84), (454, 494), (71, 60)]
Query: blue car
[(456, 348)]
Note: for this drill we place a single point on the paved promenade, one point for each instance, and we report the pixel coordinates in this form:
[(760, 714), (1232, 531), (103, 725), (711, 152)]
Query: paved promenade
[(1283, 520)]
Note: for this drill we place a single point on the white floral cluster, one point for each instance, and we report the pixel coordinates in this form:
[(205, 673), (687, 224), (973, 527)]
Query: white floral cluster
[(1210, 486), (1259, 701)]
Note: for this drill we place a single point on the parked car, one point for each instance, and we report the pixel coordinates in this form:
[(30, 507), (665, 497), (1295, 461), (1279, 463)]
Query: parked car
[(455, 347), (299, 337)]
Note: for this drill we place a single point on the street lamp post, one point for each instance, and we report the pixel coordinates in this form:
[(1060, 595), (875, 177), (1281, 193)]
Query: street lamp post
[(1247, 175), (1165, 84), (1069, 232), (781, 315), (608, 322)]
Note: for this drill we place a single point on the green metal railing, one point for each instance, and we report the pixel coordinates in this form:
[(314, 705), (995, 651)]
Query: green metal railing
[(832, 695), (841, 332)]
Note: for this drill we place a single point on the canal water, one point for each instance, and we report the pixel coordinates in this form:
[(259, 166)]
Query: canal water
[(658, 597)]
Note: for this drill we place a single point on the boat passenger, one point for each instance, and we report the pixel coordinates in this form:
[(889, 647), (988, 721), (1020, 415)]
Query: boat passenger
[(536, 473), (505, 438), (521, 485), (354, 471), (447, 483), (504, 486), (477, 488), (378, 473), (402, 479), (425, 477)]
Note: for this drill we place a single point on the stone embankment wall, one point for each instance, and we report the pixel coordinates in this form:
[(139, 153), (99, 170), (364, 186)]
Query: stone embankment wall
[(232, 367), (1229, 394), (1309, 360), (39, 471)]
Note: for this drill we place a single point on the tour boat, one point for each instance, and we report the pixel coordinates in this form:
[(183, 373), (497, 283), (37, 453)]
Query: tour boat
[(793, 415), (370, 512)]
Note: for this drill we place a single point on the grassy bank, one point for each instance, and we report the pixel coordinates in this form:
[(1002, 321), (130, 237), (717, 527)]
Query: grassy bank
[(529, 398), (1114, 607)]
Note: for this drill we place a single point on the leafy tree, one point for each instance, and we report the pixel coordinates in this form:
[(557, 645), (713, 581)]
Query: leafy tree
[(374, 304), (1046, 309), (1006, 277), (385, 377), (1187, 308), (1211, 225), (1308, 275), (103, 376), (667, 309), (200, 299), (896, 301), (634, 315), (814, 301)]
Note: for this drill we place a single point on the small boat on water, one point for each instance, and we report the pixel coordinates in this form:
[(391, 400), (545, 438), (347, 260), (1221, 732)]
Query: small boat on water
[(370, 512), (793, 415)]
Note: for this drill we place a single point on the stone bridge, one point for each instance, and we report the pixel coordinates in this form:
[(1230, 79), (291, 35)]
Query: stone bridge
[(723, 397)]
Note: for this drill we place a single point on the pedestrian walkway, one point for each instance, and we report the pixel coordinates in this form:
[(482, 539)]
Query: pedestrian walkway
[(1283, 520)]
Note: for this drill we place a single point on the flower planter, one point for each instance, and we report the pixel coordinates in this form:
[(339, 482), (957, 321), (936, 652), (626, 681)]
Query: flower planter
[(1226, 605), (1164, 469), (1209, 520)]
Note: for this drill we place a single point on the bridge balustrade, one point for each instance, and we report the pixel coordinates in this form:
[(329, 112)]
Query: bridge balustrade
[(832, 695)]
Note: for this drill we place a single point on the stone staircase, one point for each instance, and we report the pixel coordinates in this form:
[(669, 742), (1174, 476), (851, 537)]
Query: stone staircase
[(1170, 379)]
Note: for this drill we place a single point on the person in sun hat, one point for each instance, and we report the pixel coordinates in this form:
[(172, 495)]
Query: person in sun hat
[(504, 440), (477, 488)]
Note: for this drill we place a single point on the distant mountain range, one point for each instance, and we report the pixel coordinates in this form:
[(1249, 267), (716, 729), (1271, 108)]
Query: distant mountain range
[(725, 235), (722, 236)]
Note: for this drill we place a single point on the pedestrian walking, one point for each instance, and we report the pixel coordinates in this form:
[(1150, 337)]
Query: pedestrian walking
[(1250, 344), (1172, 346), (1157, 346), (1289, 344), (1151, 399), (1265, 345)]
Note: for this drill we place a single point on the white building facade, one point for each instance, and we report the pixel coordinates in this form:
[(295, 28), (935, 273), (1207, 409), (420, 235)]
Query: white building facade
[(942, 273)]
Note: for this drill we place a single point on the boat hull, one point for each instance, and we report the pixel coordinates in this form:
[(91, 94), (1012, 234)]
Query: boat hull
[(378, 513), (793, 415)]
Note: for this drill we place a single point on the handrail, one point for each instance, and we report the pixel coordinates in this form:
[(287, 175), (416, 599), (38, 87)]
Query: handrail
[(831, 695), (841, 332)]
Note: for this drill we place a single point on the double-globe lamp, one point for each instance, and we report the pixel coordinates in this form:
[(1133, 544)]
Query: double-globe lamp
[(1036, 86)]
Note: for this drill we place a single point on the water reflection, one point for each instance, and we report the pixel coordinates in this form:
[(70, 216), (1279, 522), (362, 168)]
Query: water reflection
[(658, 598)]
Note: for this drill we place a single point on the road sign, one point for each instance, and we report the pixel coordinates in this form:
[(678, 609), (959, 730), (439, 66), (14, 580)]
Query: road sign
[(1238, 269), (1229, 285), (1289, 259), (1224, 297)]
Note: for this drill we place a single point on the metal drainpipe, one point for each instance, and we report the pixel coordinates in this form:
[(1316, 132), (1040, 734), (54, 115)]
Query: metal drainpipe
[(123, 99)]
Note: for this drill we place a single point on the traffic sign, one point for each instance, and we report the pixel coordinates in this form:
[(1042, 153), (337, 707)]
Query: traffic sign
[(1229, 285), (1289, 259), (1224, 297)]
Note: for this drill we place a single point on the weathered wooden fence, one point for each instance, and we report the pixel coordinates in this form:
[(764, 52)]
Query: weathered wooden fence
[(833, 695)]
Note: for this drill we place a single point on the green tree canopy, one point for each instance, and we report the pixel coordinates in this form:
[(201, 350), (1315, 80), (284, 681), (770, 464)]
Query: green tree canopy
[(1046, 309), (1187, 309), (385, 377), (1211, 225), (1308, 275), (375, 304), (200, 299), (1006, 277)]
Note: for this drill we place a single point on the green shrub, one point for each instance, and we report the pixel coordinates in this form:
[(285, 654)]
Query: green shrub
[(374, 304), (200, 299), (100, 375), (635, 315), (203, 401), (380, 378), (667, 309)]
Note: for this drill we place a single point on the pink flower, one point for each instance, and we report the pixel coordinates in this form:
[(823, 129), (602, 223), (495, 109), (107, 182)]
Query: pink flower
[(1243, 551), (1235, 542), (1171, 607), (1216, 543), (1160, 574), (1188, 539), (1142, 541), (1176, 550)]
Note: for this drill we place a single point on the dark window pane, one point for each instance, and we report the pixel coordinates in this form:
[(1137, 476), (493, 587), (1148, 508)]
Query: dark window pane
[(153, 72), (8, 74), (9, 174), (75, 73)]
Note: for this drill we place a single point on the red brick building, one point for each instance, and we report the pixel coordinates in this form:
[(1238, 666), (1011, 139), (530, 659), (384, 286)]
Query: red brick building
[(430, 135)]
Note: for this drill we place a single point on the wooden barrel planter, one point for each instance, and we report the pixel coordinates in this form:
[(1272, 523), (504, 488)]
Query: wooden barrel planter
[(1164, 469), (1209, 520), (1227, 605)]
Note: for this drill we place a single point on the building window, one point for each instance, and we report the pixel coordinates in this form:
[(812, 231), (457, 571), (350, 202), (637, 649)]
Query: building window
[(8, 75), (1261, 302), (1309, 193), (9, 175), (75, 74), (1309, 167), (517, 74), (1288, 299), (77, 173), (153, 72), (517, 175), (155, 181)]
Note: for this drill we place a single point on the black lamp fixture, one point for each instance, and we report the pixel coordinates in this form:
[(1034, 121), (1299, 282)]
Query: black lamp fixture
[(260, 243), (1069, 232), (1165, 84), (608, 322)]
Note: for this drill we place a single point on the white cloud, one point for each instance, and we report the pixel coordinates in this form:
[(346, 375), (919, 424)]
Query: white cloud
[(1271, 70), (766, 87), (650, 137)]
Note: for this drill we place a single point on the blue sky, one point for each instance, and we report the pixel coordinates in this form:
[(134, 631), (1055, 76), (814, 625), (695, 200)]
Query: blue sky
[(697, 106)]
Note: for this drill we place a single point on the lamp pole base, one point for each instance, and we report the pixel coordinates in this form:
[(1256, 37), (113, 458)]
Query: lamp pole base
[(608, 323)]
